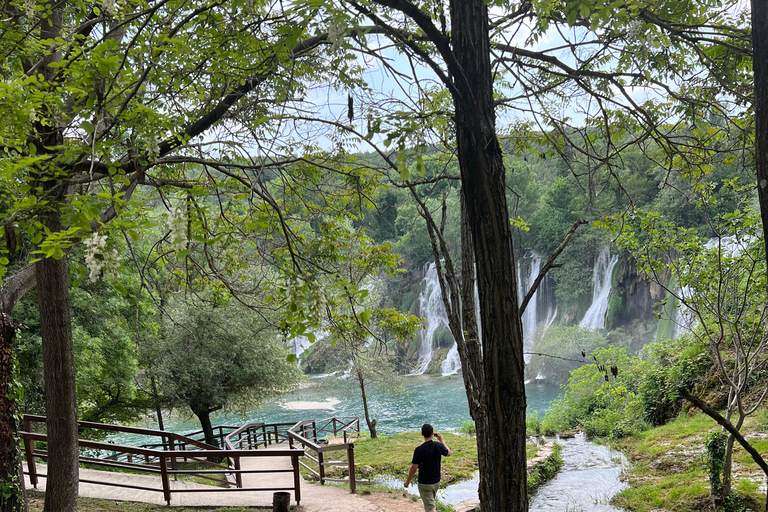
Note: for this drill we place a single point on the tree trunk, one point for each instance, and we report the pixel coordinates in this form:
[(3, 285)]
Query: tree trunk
[(501, 433), (158, 409), (371, 423), (204, 415), (59, 376), (10, 456), (760, 69)]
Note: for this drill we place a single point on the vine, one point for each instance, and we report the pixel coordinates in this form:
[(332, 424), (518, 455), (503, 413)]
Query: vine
[(715, 445)]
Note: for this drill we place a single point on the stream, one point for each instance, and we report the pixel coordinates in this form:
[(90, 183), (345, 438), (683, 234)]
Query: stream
[(587, 481)]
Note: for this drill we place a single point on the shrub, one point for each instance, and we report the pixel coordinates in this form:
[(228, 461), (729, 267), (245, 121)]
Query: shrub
[(467, 428), (598, 400)]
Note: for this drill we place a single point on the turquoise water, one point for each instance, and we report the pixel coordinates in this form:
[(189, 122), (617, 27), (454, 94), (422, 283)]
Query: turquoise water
[(441, 401)]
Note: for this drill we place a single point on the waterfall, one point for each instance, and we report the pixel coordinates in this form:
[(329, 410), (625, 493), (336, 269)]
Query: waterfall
[(432, 309), (594, 318), (524, 282), (298, 345), (452, 363), (683, 317)]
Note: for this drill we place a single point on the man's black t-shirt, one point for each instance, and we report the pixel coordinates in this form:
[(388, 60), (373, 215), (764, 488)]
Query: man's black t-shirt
[(428, 456)]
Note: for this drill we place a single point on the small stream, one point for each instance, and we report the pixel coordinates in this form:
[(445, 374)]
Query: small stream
[(587, 481)]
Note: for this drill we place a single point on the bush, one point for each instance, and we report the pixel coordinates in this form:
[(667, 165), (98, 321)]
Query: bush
[(467, 428), (533, 423), (599, 402), (673, 363)]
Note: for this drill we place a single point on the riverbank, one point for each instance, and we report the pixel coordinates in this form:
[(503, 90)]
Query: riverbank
[(668, 467)]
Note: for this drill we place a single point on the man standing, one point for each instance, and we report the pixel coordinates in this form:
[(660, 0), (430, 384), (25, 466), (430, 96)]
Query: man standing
[(426, 458)]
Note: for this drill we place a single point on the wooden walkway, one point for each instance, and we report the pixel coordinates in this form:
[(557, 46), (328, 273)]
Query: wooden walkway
[(314, 497)]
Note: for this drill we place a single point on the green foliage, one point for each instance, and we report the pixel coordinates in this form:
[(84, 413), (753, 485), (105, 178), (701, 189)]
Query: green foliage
[(715, 443), (673, 363), (570, 347), (467, 428), (216, 357), (598, 402), (533, 424)]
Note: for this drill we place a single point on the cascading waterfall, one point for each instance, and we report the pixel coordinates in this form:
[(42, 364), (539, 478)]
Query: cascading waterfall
[(594, 318), (432, 309), (683, 317), (452, 363), (524, 282)]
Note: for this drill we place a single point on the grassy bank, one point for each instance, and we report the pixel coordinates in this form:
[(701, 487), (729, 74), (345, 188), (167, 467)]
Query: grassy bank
[(669, 468), (391, 455)]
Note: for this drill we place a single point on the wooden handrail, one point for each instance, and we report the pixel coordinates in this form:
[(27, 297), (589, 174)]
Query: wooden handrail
[(166, 462), (129, 430), (162, 457)]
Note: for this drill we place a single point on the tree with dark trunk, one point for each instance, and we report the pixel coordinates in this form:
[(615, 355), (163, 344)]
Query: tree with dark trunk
[(760, 103), (371, 422)]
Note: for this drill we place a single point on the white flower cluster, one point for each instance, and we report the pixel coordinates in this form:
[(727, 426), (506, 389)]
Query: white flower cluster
[(177, 224), (635, 29), (153, 148), (110, 6), (317, 302), (336, 31), (99, 258)]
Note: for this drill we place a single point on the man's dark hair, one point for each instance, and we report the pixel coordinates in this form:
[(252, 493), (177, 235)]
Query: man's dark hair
[(427, 430)]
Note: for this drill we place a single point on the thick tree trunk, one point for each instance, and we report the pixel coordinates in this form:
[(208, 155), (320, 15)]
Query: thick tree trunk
[(501, 432), (59, 377), (10, 456), (760, 68), (371, 423)]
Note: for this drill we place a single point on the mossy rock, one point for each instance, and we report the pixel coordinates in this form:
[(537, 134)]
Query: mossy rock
[(438, 356), (443, 338)]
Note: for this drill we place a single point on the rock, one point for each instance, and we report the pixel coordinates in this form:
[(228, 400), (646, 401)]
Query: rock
[(469, 505), (366, 471)]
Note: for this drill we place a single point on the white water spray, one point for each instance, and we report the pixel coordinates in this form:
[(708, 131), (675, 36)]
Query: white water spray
[(432, 309), (594, 318)]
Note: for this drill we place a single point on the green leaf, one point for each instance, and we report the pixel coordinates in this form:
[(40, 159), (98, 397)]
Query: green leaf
[(404, 172)]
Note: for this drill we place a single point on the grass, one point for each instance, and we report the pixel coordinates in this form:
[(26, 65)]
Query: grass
[(391, 455), (668, 469), (96, 505), (545, 470)]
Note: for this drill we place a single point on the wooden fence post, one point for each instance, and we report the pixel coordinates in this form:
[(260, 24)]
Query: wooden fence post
[(238, 475), (164, 478), (29, 451), (296, 478), (320, 460), (351, 461)]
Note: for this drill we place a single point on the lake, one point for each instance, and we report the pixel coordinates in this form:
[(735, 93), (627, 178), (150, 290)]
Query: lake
[(440, 401)]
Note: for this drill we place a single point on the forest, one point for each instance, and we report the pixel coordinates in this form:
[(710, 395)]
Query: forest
[(194, 192)]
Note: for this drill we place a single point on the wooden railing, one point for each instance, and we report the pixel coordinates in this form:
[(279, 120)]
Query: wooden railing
[(305, 434), (164, 462)]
